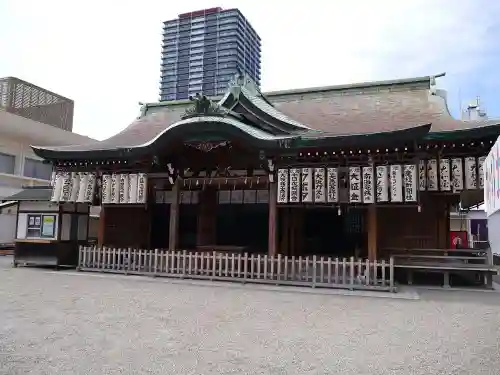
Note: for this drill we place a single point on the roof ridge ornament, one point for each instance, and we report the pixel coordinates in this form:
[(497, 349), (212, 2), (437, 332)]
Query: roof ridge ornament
[(432, 86), (243, 80), (203, 106)]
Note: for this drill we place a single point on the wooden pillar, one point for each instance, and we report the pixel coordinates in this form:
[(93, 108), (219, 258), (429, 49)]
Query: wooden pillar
[(206, 230), (443, 225), (273, 218), (284, 227), (293, 232), (300, 231), (101, 229), (372, 232), (173, 233)]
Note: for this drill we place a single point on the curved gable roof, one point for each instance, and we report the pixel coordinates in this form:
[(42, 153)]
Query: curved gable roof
[(329, 113), (373, 107)]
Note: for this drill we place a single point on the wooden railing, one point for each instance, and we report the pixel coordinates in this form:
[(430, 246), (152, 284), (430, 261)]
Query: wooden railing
[(311, 271)]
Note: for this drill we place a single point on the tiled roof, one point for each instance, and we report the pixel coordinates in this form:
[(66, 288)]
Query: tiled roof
[(39, 193), (366, 108), (260, 103), (146, 131), (370, 109)]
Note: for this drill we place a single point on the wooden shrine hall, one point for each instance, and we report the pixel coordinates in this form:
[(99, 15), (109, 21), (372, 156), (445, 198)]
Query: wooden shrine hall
[(341, 171)]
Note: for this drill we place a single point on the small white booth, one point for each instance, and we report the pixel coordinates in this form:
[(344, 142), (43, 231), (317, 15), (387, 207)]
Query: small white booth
[(47, 232)]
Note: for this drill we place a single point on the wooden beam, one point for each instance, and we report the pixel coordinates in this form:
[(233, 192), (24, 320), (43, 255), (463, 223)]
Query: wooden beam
[(273, 216), (372, 232), (173, 233)]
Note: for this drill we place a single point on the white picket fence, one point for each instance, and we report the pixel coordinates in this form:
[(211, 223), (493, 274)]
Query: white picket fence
[(314, 271)]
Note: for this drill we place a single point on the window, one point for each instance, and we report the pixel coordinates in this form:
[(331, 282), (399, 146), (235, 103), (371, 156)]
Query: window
[(41, 226), (37, 169), (7, 163)]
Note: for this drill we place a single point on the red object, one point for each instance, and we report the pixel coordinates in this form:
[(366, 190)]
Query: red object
[(458, 239)]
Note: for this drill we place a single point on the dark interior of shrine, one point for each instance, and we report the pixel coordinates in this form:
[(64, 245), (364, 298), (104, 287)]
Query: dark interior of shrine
[(244, 225), (329, 234)]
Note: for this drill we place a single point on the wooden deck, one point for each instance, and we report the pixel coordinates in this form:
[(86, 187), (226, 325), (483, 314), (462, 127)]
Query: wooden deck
[(476, 262)]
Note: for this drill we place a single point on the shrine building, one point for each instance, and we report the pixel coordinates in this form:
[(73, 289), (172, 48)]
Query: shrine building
[(340, 171)]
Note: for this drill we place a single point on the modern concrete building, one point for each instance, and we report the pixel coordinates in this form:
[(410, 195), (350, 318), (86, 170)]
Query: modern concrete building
[(18, 164), (203, 50)]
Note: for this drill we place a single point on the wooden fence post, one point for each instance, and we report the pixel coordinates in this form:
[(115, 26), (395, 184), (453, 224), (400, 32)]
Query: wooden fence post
[(391, 274), (314, 271), (245, 267), (351, 269), (155, 263)]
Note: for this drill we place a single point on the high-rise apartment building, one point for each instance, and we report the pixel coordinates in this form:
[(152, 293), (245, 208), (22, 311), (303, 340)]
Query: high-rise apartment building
[(203, 50)]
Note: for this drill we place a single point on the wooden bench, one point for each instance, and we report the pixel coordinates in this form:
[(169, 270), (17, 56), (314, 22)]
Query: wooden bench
[(445, 261)]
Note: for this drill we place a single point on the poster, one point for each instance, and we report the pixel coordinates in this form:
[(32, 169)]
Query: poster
[(48, 226)]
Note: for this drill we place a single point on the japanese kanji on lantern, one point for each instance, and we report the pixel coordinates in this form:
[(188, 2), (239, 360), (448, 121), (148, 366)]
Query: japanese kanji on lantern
[(450, 174), (282, 196), (319, 185), (470, 173), (382, 181), (432, 175), (332, 185), (306, 185), (396, 183), (294, 185), (480, 168), (422, 175), (444, 175), (368, 185), (355, 185), (410, 182), (457, 174)]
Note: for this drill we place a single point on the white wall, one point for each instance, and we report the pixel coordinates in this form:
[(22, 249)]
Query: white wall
[(17, 134)]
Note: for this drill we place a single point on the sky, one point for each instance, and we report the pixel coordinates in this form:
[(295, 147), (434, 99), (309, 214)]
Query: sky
[(105, 54)]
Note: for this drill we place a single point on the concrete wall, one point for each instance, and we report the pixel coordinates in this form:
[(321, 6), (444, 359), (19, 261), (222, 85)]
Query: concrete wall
[(7, 227), (11, 184)]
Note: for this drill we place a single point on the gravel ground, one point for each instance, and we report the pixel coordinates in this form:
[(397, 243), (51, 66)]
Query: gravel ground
[(76, 323)]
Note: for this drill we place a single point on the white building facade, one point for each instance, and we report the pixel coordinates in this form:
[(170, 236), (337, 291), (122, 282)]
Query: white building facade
[(19, 166)]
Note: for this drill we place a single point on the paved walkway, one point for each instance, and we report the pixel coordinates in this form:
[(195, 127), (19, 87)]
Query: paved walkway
[(78, 323)]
